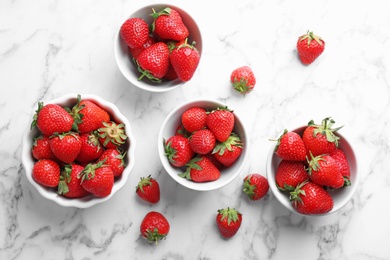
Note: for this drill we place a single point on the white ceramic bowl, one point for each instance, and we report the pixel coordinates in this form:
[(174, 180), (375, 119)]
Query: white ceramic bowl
[(86, 202), (124, 59), (168, 128), (340, 196)]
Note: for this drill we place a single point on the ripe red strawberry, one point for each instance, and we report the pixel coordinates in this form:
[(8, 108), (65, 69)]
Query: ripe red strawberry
[(290, 174), (324, 171), (320, 139), (311, 199), (228, 222), (91, 149), (221, 122), (148, 189), (70, 185), (309, 47), (171, 73), (168, 25), (41, 148), (256, 186), (290, 146), (52, 118), (66, 146), (136, 51), (202, 141), (243, 79), (88, 115), (115, 159), (153, 62), (154, 227), (180, 130), (185, 60), (201, 169), (228, 152), (178, 151), (112, 135), (98, 179), (46, 172), (194, 119), (341, 160), (135, 32)]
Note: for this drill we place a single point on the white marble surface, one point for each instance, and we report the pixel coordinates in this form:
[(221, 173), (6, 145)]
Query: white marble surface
[(50, 48)]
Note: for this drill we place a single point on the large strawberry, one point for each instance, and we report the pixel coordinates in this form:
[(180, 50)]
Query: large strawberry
[(66, 146), (52, 118), (194, 119), (256, 186), (201, 169), (111, 134), (341, 160), (148, 189), (135, 32), (136, 51), (290, 146), (221, 122), (309, 47), (311, 199), (202, 141), (98, 179), (91, 148), (168, 25), (324, 171), (228, 222), (153, 62), (41, 148), (290, 174), (320, 139), (70, 185), (46, 172), (115, 159), (154, 227), (185, 60), (243, 79), (177, 150), (229, 151)]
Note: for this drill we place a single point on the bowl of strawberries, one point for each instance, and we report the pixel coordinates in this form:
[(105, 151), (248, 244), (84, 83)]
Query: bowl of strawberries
[(203, 144), (78, 150), (312, 169), (158, 47)]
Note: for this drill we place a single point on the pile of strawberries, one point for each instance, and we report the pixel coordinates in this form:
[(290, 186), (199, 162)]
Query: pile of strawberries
[(312, 165), (204, 143), (79, 151), (161, 50)]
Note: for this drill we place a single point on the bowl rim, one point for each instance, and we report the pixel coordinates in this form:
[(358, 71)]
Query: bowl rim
[(27, 162), (207, 186)]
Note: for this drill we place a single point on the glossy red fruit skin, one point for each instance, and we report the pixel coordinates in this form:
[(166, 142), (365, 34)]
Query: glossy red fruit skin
[(115, 159), (341, 160), (53, 118), (185, 60), (92, 116), (201, 169), (41, 148), (135, 32), (148, 190), (290, 147), (66, 147), (168, 25), (202, 141), (228, 222), (99, 181), (178, 150), (309, 47), (229, 151), (256, 186), (46, 172), (69, 177), (325, 172), (290, 174), (194, 119), (155, 60), (91, 149), (134, 52), (243, 79), (154, 227), (221, 123), (317, 145)]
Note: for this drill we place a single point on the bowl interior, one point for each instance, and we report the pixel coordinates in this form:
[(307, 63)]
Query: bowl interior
[(173, 120), (340, 196), (124, 59)]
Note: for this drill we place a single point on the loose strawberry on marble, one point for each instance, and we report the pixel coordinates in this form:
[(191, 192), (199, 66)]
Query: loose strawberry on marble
[(168, 25), (135, 32), (290, 174), (66, 146), (243, 79), (309, 47), (201, 169), (228, 222), (177, 150), (256, 186), (46, 172), (154, 227), (148, 189), (70, 185), (115, 159)]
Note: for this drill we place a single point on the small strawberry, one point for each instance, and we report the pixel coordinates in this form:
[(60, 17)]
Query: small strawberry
[(136, 51), (70, 185), (91, 148), (97, 179), (228, 152), (243, 79), (135, 32), (180, 130), (324, 171), (185, 60), (341, 160), (111, 134), (178, 151), (148, 189), (221, 122), (41, 148), (115, 159), (201, 169), (255, 186), (228, 222), (171, 73), (290, 174), (168, 25), (309, 47), (194, 119), (52, 118), (202, 141), (46, 172), (290, 146), (153, 62), (154, 227), (66, 146), (320, 139), (311, 199)]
